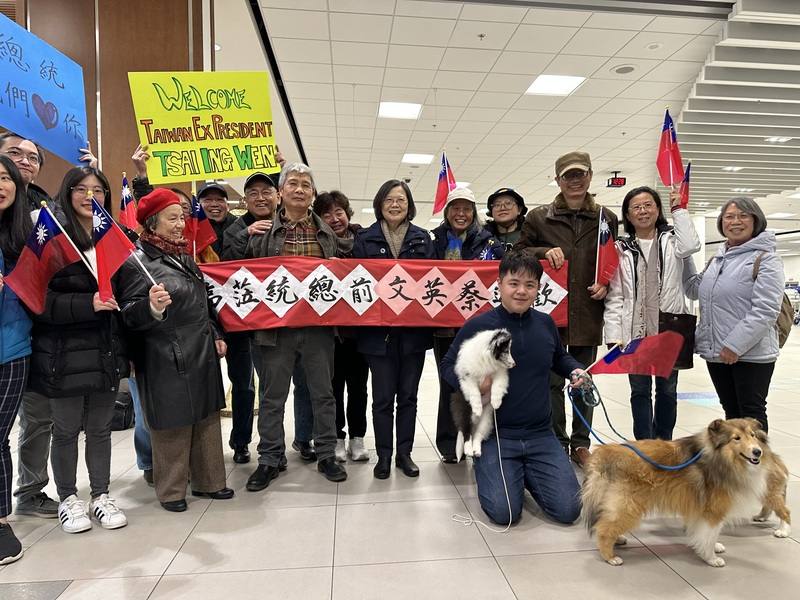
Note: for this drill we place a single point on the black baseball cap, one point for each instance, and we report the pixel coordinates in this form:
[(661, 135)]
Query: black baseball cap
[(212, 187), (259, 176), (507, 192)]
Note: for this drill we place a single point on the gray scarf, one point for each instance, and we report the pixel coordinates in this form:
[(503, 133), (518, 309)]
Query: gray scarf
[(394, 238)]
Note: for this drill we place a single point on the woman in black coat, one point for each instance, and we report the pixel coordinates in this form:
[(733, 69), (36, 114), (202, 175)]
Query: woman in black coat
[(78, 359), (395, 355), (175, 347)]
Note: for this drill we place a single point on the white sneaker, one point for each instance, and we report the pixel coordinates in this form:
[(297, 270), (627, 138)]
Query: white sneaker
[(357, 450), (72, 514), (105, 510), (340, 452)]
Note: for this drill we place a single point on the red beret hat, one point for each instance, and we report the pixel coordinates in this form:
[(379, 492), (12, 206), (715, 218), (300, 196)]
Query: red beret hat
[(155, 201)]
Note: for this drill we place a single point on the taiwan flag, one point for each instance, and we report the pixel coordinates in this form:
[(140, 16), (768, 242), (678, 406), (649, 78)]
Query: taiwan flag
[(199, 233), (684, 191), (47, 251), (127, 207), (111, 246), (447, 182), (651, 355), (668, 160), (607, 257)]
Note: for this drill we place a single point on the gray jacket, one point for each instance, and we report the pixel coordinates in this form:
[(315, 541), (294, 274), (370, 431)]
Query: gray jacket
[(735, 311), (271, 244)]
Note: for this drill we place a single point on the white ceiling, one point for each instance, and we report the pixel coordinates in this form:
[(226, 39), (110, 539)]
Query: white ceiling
[(469, 64)]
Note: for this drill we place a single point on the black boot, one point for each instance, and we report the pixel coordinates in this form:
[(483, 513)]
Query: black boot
[(261, 477), (409, 468), (383, 468)]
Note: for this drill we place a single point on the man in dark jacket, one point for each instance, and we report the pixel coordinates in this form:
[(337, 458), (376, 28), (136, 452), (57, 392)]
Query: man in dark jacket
[(296, 231), (531, 456), (214, 200), (261, 200), (566, 230)]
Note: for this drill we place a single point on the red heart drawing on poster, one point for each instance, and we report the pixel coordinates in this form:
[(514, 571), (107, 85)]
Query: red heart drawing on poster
[(46, 111)]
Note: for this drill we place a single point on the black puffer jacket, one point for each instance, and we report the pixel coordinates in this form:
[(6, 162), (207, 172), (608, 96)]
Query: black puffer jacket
[(177, 368), (76, 350)]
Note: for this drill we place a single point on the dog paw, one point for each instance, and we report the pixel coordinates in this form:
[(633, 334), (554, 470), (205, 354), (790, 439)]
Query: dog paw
[(496, 402), (759, 519), (717, 561), (781, 532), (719, 548), (476, 453), (615, 561), (621, 540)]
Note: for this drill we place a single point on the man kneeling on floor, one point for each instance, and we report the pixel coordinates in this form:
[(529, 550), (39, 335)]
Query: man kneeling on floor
[(532, 456)]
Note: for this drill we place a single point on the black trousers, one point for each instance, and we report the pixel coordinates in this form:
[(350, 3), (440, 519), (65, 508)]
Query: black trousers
[(580, 433), (742, 388), (445, 428), (350, 370), (395, 377), (240, 372)]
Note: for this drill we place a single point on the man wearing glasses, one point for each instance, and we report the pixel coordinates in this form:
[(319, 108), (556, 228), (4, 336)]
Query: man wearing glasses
[(261, 200), (29, 159), (214, 200), (566, 230)]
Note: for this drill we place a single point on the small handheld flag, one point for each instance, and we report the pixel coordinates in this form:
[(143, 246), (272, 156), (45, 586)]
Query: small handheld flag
[(127, 206), (651, 355), (447, 182), (684, 190), (112, 248), (47, 251), (198, 232), (607, 257), (668, 159)]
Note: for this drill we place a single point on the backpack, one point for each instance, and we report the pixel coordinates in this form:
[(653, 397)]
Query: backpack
[(785, 316)]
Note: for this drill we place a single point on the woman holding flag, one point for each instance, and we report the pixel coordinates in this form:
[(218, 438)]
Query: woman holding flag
[(15, 346), (78, 359), (647, 290), (176, 347)]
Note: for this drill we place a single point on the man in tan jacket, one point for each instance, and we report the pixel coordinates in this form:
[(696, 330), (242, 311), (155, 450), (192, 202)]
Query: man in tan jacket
[(566, 230)]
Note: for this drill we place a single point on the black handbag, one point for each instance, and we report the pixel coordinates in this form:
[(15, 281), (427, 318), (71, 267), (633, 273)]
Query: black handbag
[(685, 325)]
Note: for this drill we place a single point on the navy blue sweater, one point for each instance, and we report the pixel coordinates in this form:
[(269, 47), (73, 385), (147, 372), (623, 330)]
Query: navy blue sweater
[(536, 349)]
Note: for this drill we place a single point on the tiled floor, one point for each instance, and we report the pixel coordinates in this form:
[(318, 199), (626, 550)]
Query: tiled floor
[(310, 539)]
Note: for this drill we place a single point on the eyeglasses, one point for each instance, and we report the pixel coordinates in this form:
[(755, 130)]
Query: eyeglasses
[(503, 204), (647, 206), (398, 201), (84, 191), (731, 217), (256, 194), (17, 155), (304, 185), (575, 175)]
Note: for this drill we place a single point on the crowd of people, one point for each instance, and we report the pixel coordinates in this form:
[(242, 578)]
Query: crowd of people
[(61, 370)]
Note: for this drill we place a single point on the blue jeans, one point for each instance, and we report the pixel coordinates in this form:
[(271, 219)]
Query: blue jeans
[(303, 415), (537, 464), (141, 435), (658, 423)]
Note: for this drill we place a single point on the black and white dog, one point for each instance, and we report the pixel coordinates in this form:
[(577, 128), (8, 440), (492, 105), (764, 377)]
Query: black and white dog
[(486, 354)]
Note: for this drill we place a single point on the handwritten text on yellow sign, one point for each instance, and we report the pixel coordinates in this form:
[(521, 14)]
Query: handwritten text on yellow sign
[(200, 125)]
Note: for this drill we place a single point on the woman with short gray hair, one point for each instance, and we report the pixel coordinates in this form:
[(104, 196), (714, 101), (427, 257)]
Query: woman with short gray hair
[(740, 293)]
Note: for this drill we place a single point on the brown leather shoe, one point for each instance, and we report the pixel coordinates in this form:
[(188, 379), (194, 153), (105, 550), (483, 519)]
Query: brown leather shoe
[(580, 456)]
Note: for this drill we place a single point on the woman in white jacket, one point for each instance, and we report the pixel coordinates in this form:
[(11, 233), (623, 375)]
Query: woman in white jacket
[(649, 281), (739, 304)]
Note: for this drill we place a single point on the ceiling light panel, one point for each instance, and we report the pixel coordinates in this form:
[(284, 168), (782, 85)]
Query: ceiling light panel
[(417, 159), (399, 110), (554, 85)]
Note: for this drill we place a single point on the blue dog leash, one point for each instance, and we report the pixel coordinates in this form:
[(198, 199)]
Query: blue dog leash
[(590, 396)]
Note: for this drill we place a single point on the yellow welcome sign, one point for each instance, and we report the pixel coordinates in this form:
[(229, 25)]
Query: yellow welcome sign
[(200, 125)]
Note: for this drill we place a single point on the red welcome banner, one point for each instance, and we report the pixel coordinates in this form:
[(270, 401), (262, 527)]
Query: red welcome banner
[(286, 291)]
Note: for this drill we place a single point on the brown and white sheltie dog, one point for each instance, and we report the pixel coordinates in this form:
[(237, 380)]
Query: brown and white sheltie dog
[(736, 474)]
